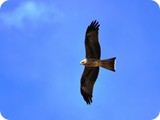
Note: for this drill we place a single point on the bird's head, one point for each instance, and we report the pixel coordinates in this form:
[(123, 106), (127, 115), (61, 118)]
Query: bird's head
[(83, 62)]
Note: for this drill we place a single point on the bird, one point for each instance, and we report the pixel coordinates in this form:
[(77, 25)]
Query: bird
[(93, 62)]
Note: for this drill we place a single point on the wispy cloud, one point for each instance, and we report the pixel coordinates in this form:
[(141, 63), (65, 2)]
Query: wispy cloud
[(32, 12)]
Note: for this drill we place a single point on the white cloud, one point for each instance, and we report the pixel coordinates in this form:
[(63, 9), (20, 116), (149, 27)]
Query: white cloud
[(32, 12)]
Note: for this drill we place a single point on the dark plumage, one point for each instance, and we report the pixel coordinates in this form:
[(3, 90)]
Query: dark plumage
[(92, 61), (92, 46)]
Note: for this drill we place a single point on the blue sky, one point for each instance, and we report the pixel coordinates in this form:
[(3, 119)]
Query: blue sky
[(42, 43)]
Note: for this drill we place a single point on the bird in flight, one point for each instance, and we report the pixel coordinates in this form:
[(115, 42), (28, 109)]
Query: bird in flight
[(92, 62)]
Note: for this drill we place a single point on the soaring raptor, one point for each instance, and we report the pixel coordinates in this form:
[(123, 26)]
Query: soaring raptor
[(92, 62)]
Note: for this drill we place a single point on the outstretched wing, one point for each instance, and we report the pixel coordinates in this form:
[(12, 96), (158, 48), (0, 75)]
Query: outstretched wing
[(88, 79), (92, 45)]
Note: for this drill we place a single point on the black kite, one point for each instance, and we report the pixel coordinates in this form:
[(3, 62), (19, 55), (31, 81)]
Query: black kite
[(92, 62)]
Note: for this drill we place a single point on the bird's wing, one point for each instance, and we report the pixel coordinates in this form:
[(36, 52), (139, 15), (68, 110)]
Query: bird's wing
[(92, 45), (88, 79)]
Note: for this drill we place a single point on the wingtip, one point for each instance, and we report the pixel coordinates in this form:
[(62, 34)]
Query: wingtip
[(86, 97), (95, 23)]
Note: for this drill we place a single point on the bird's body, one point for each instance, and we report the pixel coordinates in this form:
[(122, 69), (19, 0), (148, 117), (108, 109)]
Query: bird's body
[(92, 62)]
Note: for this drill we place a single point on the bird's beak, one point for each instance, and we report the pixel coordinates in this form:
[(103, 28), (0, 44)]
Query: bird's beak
[(81, 63)]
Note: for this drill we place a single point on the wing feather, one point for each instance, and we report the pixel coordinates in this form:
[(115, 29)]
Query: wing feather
[(92, 45), (88, 79)]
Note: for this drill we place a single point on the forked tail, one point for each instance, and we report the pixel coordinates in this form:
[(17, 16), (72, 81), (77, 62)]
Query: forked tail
[(109, 64)]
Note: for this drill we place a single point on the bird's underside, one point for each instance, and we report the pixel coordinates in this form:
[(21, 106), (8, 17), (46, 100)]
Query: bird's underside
[(107, 63)]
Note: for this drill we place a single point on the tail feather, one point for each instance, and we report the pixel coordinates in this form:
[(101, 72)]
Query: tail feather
[(109, 64)]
